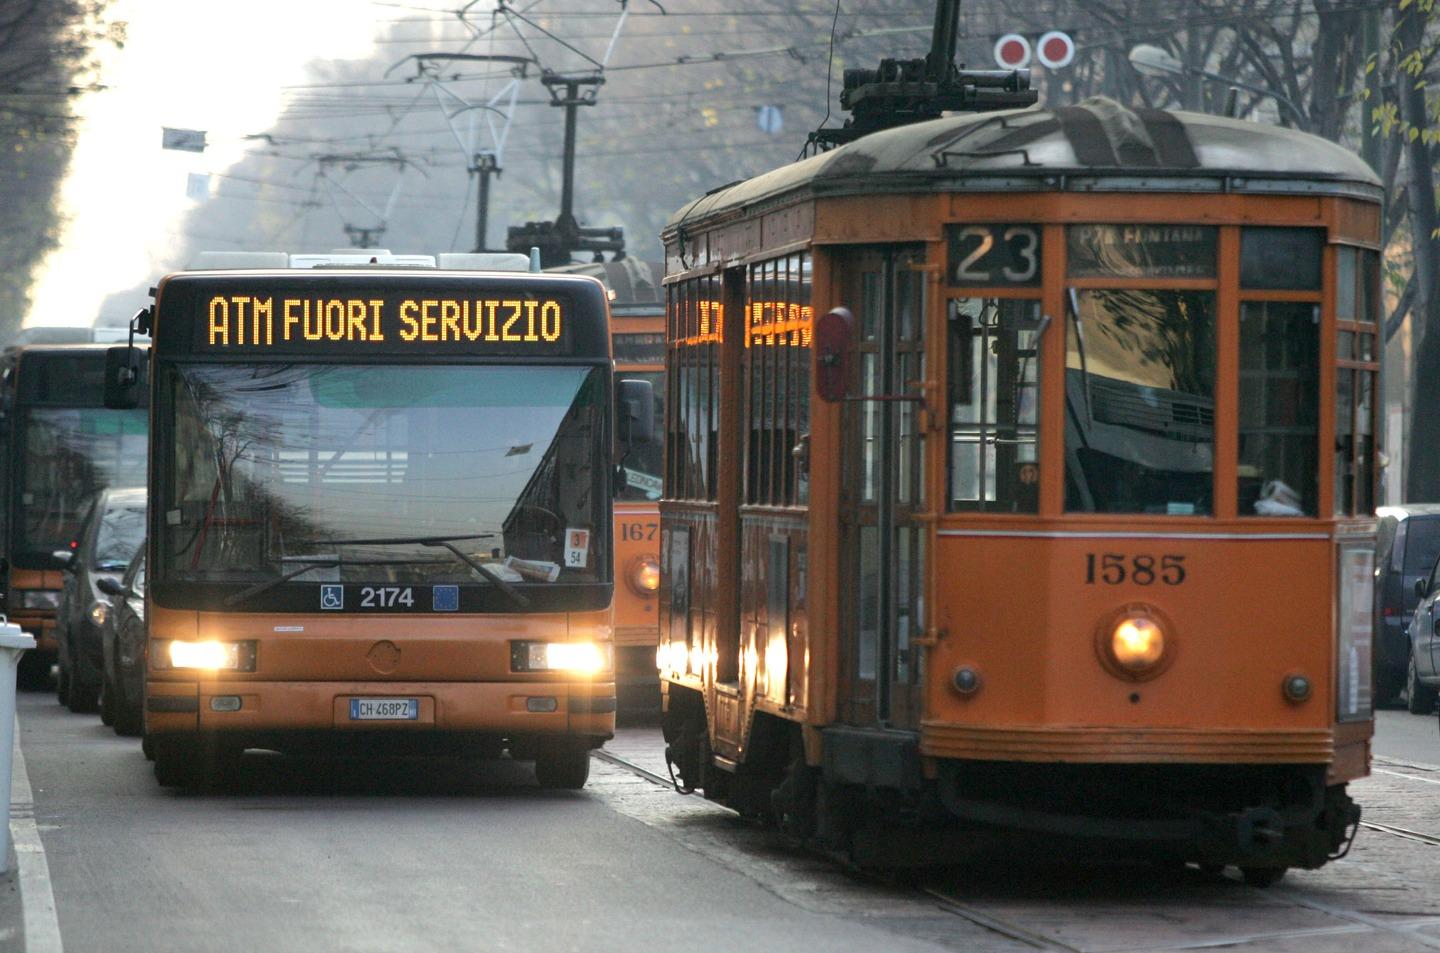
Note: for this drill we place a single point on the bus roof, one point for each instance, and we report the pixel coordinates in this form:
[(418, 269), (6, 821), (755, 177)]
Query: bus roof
[(1096, 146)]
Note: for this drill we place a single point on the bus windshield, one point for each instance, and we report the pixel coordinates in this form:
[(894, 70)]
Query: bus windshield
[(359, 470), (71, 454)]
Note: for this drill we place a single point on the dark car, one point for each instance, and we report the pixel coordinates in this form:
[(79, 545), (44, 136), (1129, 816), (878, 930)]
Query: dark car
[(122, 641), (109, 537), (1406, 548), (1422, 684)]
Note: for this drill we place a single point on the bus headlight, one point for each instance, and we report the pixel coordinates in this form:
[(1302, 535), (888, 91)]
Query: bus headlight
[(578, 658), (39, 598), (208, 656), (1134, 643), (99, 612), (645, 576)]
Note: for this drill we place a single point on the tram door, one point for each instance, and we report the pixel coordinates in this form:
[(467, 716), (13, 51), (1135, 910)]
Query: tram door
[(883, 561)]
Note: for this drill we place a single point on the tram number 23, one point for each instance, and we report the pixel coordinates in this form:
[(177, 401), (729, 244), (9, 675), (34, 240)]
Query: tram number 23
[(994, 254), (1112, 569)]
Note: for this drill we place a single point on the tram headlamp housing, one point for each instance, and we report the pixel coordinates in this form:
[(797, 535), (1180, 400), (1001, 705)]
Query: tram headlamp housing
[(39, 598), (644, 576), (1135, 643), (572, 658), (99, 612), (207, 656)]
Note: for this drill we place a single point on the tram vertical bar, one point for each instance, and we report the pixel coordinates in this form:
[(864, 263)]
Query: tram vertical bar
[(1226, 438), (13, 644)]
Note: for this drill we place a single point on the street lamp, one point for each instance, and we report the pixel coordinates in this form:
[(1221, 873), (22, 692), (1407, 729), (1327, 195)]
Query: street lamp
[(1151, 60)]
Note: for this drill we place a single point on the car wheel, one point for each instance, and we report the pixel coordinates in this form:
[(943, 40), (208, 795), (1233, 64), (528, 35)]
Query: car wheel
[(564, 767), (1418, 699), (1389, 686), (80, 698), (1262, 876), (62, 683), (107, 704), (128, 721)]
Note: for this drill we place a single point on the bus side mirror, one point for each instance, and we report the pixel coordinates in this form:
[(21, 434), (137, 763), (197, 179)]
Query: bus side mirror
[(123, 376), (635, 412), (111, 587), (832, 340)]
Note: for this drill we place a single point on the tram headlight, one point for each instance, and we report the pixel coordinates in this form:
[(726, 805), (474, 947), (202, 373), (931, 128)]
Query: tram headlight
[(1135, 643), (207, 656), (575, 658), (645, 576)]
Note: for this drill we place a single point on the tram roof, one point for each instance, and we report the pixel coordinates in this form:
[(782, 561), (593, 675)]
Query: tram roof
[(1096, 146)]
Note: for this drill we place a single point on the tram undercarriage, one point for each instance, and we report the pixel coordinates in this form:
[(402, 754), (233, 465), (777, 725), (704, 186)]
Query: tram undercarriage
[(1263, 819)]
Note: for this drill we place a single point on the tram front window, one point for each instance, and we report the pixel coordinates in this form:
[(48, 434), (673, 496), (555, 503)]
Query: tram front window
[(71, 454), (1279, 471), (1139, 402), (640, 477), (273, 467), (994, 358)]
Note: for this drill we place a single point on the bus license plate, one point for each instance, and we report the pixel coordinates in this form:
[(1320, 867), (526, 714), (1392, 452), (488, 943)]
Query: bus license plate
[(384, 709)]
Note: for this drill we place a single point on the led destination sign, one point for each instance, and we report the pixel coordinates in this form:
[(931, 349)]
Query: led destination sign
[(236, 321)]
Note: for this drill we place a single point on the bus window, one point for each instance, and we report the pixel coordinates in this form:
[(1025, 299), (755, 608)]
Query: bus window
[(71, 454), (994, 362), (289, 461)]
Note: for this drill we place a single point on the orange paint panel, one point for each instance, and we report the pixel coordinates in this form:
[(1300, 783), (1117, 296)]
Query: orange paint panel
[(1027, 621), (637, 540)]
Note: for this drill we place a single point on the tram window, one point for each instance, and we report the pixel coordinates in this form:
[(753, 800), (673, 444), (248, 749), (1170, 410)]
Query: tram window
[(1140, 402), (1141, 251), (777, 376), (1279, 466), (695, 321), (1357, 293), (1281, 258), (994, 396)]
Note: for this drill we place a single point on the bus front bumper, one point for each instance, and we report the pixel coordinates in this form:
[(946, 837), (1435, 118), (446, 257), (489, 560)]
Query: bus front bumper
[(260, 709)]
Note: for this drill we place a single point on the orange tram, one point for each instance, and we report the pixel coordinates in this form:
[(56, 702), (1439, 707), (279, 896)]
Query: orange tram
[(1019, 484), (380, 511)]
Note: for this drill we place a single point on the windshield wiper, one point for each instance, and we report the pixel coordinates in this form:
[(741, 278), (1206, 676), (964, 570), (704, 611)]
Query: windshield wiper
[(447, 543), (319, 562)]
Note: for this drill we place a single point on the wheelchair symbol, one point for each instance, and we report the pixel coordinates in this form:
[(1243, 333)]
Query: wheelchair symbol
[(332, 597)]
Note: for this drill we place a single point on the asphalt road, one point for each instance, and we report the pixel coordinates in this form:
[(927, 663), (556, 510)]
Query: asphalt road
[(446, 855), (1401, 736)]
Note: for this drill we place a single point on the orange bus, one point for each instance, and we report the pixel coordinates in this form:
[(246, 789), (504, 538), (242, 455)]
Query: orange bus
[(60, 447), (1020, 482), (637, 336), (381, 512)]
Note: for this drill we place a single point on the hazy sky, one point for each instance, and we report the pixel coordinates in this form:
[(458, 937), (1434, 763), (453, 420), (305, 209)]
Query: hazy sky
[(196, 64)]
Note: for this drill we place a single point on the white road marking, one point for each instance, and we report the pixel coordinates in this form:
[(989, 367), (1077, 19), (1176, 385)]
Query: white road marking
[(37, 897), (1402, 774)]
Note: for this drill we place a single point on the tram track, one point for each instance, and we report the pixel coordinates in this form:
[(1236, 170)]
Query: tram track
[(1349, 921)]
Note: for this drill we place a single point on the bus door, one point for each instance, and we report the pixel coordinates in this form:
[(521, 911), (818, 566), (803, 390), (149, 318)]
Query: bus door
[(883, 540)]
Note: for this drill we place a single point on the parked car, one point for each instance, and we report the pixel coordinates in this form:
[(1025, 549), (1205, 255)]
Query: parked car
[(122, 643), (109, 537), (1406, 547), (1423, 681)]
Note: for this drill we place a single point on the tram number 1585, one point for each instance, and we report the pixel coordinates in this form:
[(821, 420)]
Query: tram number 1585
[(1112, 569)]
